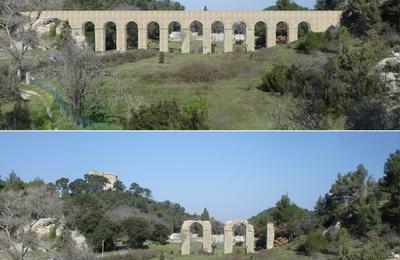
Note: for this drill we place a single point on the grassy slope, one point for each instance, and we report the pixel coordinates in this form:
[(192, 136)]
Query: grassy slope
[(235, 103)]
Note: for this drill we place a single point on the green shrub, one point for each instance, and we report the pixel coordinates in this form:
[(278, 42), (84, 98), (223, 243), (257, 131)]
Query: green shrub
[(314, 42), (315, 243), (168, 115), (53, 31), (276, 80), (161, 58)]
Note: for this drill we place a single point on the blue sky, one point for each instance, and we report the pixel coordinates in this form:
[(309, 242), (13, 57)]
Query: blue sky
[(235, 175), (225, 5)]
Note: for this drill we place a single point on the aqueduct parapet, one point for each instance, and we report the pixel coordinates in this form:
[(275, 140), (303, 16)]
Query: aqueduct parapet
[(319, 21)]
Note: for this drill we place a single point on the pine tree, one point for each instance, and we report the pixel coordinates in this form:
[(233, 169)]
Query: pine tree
[(390, 184), (205, 216)]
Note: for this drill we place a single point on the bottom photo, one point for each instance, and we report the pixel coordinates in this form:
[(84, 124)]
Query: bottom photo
[(199, 195)]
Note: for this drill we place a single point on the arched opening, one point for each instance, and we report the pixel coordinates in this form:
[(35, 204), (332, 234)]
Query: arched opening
[(89, 32), (132, 39), (239, 36), (196, 37), (282, 29), (175, 37), (217, 37), (260, 34), (239, 239), (110, 30), (303, 29), (153, 35), (196, 239)]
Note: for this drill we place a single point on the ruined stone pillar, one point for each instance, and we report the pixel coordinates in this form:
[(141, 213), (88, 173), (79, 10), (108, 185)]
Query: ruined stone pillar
[(207, 236), (271, 36), (228, 41), (186, 35), (270, 236), (250, 39), (185, 244), (121, 39), (164, 39), (206, 40), (228, 239), (249, 239), (142, 38), (292, 34), (100, 39)]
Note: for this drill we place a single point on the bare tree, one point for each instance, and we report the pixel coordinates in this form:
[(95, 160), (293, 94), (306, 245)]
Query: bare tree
[(19, 211), (78, 72), (17, 19)]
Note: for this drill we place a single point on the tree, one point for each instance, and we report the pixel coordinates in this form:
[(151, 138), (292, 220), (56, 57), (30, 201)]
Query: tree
[(390, 184), (353, 202), (62, 186), (287, 216), (78, 72), (19, 212), (360, 16), (205, 8), (137, 230), (119, 186), (17, 34), (95, 183), (330, 4), (13, 182), (205, 216), (285, 5)]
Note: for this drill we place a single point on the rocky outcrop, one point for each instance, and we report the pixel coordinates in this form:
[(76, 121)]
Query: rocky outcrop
[(390, 74)]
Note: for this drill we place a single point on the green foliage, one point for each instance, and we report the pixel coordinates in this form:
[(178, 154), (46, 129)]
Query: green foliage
[(343, 243), (285, 5), (359, 16), (53, 232), (390, 184), (161, 58), (276, 80), (168, 115), (205, 216), (315, 243), (314, 42), (53, 31), (287, 216), (137, 229), (330, 4), (353, 201)]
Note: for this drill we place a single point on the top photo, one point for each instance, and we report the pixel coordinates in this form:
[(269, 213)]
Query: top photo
[(199, 65)]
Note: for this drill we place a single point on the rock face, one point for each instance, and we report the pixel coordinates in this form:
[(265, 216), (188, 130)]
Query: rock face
[(390, 68), (44, 226)]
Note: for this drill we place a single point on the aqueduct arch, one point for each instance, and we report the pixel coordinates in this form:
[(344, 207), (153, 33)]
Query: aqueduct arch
[(319, 21), (186, 236), (228, 236)]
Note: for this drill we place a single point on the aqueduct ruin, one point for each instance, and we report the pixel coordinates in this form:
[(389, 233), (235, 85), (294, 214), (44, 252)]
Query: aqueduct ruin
[(228, 236), (120, 21)]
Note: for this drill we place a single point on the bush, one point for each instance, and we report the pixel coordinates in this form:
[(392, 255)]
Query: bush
[(314, 42), (315, 243), (118, 58), (168, 115), (276, 80)]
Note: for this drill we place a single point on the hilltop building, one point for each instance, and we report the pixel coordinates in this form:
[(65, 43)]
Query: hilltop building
[(112, 178)]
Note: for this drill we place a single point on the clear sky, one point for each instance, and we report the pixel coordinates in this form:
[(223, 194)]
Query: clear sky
[(226, 5), (235, 175)]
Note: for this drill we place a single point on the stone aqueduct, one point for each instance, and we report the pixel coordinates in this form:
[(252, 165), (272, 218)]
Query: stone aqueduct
[(317, 21), (228, 236)]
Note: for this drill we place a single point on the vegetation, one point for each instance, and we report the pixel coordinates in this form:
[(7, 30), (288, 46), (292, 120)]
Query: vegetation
[(325, 80), (356, 219)]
